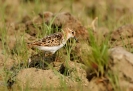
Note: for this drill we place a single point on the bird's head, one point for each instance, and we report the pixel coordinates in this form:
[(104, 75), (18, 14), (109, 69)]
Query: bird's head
[(70, 34)]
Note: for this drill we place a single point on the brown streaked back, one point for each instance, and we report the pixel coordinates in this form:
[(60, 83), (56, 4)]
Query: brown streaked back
[(51, 40)]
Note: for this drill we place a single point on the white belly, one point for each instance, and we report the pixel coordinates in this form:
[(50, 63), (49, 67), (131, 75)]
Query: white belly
[(52, 49)]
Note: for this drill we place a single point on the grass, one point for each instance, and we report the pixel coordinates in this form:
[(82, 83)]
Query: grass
[(114, 80), (97, 59)]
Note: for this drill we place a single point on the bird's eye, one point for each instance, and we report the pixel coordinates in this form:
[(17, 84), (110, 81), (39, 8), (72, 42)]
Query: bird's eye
[(72, 32)]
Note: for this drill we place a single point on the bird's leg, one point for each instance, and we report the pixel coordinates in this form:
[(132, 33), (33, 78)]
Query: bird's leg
[(49, 56), (46, 54), (54, 56)]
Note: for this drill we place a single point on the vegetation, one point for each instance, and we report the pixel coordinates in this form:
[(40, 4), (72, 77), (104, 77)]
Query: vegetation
[(96, 59)]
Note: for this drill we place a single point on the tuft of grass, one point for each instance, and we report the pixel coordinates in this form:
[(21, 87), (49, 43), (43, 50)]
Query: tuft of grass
[(113, 79), (20, 50), (98, 57)]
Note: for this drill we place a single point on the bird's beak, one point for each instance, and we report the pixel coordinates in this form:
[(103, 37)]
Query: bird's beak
[(76, 40)]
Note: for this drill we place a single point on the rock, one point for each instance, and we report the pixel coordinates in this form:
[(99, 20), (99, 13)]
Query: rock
[(122, 66), (119, 53)]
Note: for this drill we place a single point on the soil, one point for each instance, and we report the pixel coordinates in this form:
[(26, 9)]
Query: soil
[(57, 71), (124, 33)]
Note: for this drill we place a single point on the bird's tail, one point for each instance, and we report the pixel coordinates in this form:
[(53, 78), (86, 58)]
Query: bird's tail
[(31, 45)]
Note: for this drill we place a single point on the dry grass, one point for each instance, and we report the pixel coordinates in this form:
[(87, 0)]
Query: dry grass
[(108, 17)]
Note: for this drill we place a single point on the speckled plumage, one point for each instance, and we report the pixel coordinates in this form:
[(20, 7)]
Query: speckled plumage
[(51, 40), (54, 41)]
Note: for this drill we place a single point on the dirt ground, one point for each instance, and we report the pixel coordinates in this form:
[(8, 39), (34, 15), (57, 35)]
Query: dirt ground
[(25, 67)]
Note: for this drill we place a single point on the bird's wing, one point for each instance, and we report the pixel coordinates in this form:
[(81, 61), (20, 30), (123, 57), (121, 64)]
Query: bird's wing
[(51, 40)]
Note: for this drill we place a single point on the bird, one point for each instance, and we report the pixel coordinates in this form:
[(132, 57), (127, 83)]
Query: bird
[(55, 41)]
